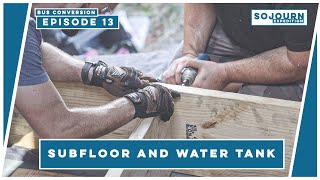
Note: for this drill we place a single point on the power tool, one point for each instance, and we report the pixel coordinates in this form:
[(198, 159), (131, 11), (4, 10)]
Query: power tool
[(189, 74)]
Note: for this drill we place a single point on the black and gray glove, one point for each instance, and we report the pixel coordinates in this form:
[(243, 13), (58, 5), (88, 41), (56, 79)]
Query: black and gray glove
[(152, 101), (118, 81)]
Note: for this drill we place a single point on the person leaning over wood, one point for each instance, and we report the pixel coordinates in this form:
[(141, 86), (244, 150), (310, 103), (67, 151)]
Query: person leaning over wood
[(268, 61), (42, 106)]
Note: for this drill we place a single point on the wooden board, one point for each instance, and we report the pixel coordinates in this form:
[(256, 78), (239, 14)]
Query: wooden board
[(157, 130), (205, 114), (21, 172), (150, 128)]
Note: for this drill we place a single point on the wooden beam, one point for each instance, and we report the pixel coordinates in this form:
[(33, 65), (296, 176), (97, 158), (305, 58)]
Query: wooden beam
[(208, 114), (150, 128), (22, 172), (138, 133)]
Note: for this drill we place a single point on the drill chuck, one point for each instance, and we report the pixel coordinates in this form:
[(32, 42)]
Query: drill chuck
[(188, 76)]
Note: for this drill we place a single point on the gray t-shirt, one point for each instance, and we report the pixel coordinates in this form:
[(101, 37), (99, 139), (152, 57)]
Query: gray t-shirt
[(32, 71)]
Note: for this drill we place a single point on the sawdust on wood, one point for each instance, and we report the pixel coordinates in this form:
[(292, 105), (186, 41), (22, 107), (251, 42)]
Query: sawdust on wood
[(227, 113)]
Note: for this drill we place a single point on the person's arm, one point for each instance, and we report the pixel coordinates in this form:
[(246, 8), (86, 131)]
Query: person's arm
[(199, 22), (46, 112), (59, 65), (42, 106), (118, 81), (276, 66)]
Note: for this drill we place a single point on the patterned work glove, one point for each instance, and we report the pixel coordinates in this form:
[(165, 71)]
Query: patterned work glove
[(152, 101), (118, 81)]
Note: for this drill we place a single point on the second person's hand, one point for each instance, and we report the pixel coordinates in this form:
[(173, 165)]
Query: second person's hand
[(173, 74)]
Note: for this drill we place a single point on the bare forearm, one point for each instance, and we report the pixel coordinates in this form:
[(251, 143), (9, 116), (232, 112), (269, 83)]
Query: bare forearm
[(199, 22), (270, 67), (46, 112), (91, 122), (97, 121), (59, 65)]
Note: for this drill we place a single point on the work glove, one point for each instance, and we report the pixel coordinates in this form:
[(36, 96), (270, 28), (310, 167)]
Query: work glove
[(119, 81), (153, 100)]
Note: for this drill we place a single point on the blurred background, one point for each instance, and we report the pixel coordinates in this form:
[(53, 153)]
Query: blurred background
[(143, 28)]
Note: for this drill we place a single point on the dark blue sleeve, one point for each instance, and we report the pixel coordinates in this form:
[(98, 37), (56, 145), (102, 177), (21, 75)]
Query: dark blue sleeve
[(32, 71)]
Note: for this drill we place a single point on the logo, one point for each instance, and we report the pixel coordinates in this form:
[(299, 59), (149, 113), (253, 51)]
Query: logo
[(116, 73), (279, 17)]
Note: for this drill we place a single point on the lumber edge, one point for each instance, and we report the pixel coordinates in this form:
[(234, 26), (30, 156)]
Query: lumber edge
[(138, 133), (150, 128), (234, 96)]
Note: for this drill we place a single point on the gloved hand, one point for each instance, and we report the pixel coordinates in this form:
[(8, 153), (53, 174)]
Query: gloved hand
[(152, 101), (119, 81)]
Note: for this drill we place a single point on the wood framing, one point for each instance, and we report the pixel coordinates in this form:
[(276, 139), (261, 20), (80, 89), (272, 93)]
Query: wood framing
[(200, 114), (22, 172), (207, 114), (150, 128)]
